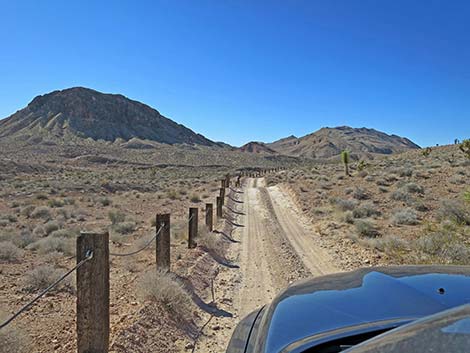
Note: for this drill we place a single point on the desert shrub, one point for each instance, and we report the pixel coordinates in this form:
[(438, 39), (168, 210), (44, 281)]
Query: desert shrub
[(420, 206), (10, 218), (402, 195), (9, 252), (165, 288), (443, 247), (405, 216), (42, 212), (405, 172), (27, 210), (64, 233), (51, 226), (366, 210), (43, 276), (195, 198), (390, 245), (347, 217), (41, 196), (179, 230), (366, 228), (4, 222), (116, 216), (348, 191), (172, 194), (413, 188), (360, 194), (56, 203), (104, 201), (124, 227), (51, 244), (382, 182), (24, 238), (211, 242), (39, 231), (455, 211), (457, 180), (13, 340), (342, 204)]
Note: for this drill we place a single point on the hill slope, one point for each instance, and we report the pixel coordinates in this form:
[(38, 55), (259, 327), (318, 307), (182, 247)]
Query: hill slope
[(86, 113), (328, 142), (256, 147)]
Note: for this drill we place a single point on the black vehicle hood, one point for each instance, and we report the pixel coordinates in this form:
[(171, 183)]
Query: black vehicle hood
[(312, 308), (447, 331)]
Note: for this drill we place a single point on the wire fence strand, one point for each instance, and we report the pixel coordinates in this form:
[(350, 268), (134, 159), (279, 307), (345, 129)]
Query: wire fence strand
[(144, 247), (89, 256)]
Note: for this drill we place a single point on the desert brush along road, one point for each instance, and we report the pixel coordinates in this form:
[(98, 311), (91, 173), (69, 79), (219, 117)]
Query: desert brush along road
[(272, 246)]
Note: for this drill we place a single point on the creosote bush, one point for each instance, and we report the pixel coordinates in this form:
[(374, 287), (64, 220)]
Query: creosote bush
[(9, 252), (116, 216), (405, 216), (454, 210), (41, 212), (43, 276), (166, 288), (366, 228)]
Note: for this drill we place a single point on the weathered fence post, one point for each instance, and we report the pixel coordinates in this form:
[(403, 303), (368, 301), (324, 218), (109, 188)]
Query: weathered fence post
[(163, 242), (192, 233), (222, 184), (219, 207), (93, 293), (222, 195), (209, 217), (227, 180)]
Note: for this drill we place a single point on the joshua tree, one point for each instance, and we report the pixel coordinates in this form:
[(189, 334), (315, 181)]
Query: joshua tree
[(427, 151), (361, 165), (456, 141), (465, 148), (345, 160)]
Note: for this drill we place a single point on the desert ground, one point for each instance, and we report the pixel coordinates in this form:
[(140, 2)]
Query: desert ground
[(307, 219)]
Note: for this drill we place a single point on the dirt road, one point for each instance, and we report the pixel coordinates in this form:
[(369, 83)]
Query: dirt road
[(274, 247)]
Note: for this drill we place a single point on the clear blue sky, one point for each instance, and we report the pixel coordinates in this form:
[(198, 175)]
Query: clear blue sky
[(241, 70)]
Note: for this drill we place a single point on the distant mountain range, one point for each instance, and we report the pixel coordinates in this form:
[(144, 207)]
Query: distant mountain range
[(328, 142), (83, 113)]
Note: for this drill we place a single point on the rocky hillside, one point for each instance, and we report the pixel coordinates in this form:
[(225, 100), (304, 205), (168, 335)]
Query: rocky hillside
[(328, 142), (256, 147), (82, 112)]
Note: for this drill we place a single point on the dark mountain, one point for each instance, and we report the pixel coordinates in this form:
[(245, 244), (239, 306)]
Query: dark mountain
[(328, 142), (82, 112), (256, 147)]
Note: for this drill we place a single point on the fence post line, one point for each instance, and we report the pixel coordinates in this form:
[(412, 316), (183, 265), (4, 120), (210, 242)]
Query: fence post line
[(209, 216), (219, 207), (93, 293), (192, 230), (163, 242)]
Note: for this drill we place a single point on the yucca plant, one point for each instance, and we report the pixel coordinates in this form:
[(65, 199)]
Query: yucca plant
[(345, 160), (427, 151), (465, 148)]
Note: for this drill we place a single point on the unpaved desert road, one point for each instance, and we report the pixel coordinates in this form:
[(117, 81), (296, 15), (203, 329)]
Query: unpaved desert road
[(275, 247)]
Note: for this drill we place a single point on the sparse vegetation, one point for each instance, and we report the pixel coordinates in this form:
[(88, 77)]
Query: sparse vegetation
[(405, 216), (166, 288), (9, 252), (43, 276)]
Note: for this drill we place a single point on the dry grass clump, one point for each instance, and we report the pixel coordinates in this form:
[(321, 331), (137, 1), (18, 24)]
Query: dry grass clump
[(9, 252), (195, 198), (454, 210), (116, 216), (166, 288), (54, 244), (366, 210), (42, 212), (343, 205), (124, 227), (43, 276), (213, 243), (406, 216), (12, 339), (360, 194), (366, 228)]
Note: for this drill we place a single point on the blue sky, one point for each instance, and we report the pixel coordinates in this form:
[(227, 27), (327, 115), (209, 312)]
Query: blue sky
[(244, 70)]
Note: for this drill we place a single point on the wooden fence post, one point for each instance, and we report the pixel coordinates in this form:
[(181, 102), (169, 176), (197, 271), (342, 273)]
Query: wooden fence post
[(163, 242), (93, 293), (209, 217), (222, 195), (222, 184), (219, 207), (192, 232), (227, 180)]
